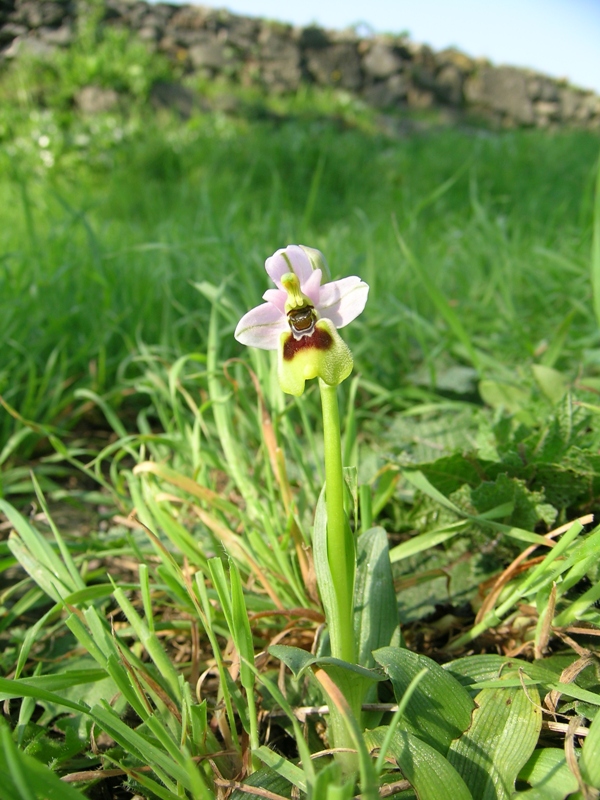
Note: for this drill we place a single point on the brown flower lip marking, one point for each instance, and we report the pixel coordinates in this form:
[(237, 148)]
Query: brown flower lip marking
[(302, 320), (319, 339)]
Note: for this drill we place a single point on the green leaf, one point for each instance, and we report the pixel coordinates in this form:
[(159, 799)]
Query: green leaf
[(440, 708), (425, 541), (590, 755), (264, 778), (432, 776), (548, 775), (322, 570), (296, 659), (140, 746), (483, 667), (9, 689), (282, 767), (420, 481), (449, 473), (241, 632), (25, 778), (501, 738), (503, 395), (54, 683), (375, 606), (552, 382)]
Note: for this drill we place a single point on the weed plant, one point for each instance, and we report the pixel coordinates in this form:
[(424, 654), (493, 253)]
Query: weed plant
[(146, 657)]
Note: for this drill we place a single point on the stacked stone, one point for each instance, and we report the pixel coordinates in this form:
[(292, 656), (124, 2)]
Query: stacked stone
[(386, 71)]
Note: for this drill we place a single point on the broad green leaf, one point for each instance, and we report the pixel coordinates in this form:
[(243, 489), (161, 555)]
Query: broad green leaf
[(552, 382), (449, 473), (375, 606), (590, 755), (267, 779), (440, 708), (351, 679), (431, 775), (296, 659), (472, 669), (548, 775), (503, 395), (356, 683), (322, 571), (501, 738), (488, 667), (242, 635)]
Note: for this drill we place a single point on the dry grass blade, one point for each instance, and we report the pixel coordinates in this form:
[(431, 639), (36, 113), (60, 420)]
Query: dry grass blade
[(517, 565), (572, 761), (542, 640), (255, 791), (568, 675)]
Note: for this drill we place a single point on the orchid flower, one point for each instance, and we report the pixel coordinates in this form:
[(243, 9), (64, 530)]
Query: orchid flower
[(301, 316)]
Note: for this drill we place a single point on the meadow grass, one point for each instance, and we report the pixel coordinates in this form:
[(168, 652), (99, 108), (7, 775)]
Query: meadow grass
[(100, 256), (131, 245)]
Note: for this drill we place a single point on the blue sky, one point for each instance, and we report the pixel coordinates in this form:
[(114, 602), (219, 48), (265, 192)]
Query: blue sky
[(558, 37)]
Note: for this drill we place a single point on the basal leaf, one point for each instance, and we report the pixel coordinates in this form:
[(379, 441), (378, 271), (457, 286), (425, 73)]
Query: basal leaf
[(440, 708), (552, 382), (501, 738), (375, 606), (267, 779), (296, 659), (473, 669), (504, 395), (548, 775), (423, 766)]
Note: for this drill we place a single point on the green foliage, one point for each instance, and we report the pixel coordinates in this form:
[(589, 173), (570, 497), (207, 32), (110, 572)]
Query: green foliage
[(502, 735), (103, 56)]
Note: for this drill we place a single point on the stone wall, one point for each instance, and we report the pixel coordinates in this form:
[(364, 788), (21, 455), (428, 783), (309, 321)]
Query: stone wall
[(386, 71)]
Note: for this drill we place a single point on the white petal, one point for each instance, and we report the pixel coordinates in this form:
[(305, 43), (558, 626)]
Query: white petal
[(277, 297), (312, 287), (277, 265), (342, 301), (262, 327)]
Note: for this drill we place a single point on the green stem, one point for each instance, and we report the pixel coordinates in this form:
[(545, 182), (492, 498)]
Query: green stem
[(340, 543)]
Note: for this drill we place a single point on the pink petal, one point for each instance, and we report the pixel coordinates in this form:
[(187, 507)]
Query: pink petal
[(277, 297), (312, 287), (277, 265), (342, 301), (262, 327), (317, 259)]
